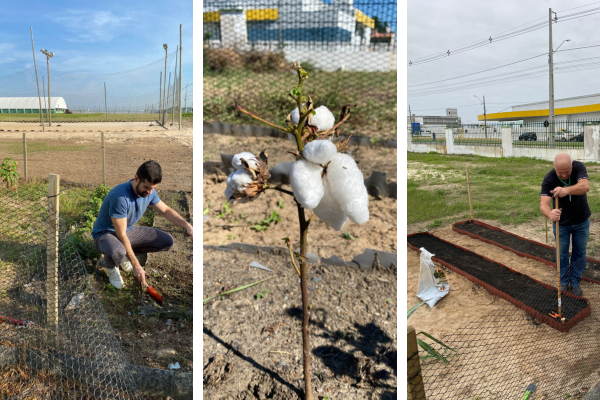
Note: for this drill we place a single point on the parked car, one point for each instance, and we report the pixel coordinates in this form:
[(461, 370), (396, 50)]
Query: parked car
[(528, 136), (578, 138), (564, 136)]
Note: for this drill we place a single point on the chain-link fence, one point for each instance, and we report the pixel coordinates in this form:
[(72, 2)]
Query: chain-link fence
[(150, 95), (55, 338), (526, 343), (348, 48)]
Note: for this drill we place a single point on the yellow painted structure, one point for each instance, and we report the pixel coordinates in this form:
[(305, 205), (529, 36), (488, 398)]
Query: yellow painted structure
[(540, 113), (211, 16), (270, 14), (363, 19)]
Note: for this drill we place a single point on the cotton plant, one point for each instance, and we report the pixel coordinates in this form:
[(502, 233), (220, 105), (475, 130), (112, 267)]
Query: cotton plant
[(323, 179)]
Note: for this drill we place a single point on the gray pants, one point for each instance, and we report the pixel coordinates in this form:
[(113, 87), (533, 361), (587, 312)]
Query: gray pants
[(143, 239)]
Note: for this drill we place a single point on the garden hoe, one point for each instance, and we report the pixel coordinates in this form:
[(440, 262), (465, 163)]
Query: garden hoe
[(553, 314), (530, 389)]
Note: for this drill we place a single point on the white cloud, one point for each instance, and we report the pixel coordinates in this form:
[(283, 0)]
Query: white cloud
[(92, 26)]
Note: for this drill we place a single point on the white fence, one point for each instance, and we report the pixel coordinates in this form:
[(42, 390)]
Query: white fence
[(589, 152)]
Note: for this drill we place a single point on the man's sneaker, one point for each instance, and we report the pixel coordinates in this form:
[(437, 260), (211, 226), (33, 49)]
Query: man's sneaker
[(565, 288), (126, 266), (576, 290), (114, 277)]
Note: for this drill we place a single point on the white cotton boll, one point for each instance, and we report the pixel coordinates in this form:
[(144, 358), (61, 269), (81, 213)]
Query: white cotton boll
[(319, 151), (307, 183), (236, 161), (323, 119), (296, 116), (329, 210), (238, 181), (228, 193), (348, 186)]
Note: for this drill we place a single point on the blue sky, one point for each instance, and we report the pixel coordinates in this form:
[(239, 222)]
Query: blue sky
[(92, 37)]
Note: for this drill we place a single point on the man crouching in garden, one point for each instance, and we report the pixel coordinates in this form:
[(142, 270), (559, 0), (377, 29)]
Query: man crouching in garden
[(568, 183), (114, 233)]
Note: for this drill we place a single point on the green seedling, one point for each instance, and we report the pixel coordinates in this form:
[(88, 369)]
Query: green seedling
[(226, 209), (8, 172), (348, 236), (262, 294), (280, 203), (263, 225)]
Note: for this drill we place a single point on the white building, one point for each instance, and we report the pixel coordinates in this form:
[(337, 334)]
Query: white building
[(31, 105)]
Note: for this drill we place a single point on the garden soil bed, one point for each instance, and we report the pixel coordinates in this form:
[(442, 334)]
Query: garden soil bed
[(534, 297), (253, 344), (521, 246)]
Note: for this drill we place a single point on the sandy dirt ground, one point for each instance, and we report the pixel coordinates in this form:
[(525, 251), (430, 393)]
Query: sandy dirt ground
[(379, 233), (124, 152)]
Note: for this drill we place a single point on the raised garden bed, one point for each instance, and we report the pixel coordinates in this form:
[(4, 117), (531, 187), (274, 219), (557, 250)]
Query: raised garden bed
[(534, 297), (522, 246)]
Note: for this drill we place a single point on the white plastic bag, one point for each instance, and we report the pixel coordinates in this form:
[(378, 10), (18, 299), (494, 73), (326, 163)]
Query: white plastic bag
[(433, 284)]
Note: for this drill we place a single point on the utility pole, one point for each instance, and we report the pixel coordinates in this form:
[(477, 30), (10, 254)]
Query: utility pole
[(551, 97), (411, 120), (48, 54), (165, 87)]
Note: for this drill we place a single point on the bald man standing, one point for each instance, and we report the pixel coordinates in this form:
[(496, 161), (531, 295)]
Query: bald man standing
[(568, 181)]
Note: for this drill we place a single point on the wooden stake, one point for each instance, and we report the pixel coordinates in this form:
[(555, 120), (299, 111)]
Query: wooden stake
[(558, 264), (25, 156), (52, 255), (469, 188), (415, 388), (546, 230), (103, 159)]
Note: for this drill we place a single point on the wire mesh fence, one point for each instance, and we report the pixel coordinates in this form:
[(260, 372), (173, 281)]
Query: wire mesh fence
[(510, 350), (55, 338), (145, 96), (348, 48)]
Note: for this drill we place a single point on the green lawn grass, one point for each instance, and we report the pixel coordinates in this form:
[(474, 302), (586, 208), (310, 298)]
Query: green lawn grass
[(506, 190), (266, 95)]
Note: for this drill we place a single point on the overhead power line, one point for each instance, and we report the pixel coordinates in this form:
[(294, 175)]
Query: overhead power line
[(504, 35)]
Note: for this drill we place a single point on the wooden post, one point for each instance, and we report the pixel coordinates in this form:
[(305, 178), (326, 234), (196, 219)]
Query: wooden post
[(469, 188), (546, 230), (415, 387), (52, 255), (25, 156), (103, 159)]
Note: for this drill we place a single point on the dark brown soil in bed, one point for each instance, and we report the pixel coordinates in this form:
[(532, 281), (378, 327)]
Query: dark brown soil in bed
[(527, 247), (517, 286)]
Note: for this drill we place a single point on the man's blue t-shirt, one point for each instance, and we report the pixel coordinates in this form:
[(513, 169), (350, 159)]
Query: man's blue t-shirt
[(122, 202)]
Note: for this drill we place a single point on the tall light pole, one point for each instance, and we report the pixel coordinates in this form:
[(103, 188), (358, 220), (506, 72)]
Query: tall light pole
[(165, 85), (484, 114), (48, 56)]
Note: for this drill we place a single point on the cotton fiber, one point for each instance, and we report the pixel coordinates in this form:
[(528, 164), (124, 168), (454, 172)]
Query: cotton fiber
[(329, 210), (347, 185), (228, 193), (238, 181), (323, 119), (236, 162), (319, 151), (307, 184)]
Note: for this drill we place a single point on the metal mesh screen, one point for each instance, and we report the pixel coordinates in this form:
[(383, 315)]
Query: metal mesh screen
[(249, 47), (508, 350), (55, 339), (134, 98)]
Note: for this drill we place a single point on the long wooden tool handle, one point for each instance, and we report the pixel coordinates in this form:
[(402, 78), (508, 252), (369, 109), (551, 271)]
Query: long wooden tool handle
[(558, 263)]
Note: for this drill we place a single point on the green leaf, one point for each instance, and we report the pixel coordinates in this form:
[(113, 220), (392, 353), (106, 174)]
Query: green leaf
[(435, 340), (431, 351), (206, 211), (412, 310)]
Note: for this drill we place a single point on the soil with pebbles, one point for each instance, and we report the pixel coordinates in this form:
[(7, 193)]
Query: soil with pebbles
[(253, 343)]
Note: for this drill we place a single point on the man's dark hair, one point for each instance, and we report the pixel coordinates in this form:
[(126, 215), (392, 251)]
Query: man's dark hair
[(150, 172)]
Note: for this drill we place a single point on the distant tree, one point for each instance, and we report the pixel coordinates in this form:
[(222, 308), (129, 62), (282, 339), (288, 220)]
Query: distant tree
[(379, 25)]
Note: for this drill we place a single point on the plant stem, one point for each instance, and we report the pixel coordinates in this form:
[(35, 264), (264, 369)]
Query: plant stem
[(304, 289), (281, 190), (279, 128)]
